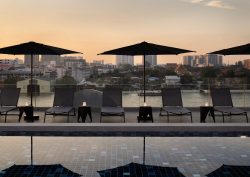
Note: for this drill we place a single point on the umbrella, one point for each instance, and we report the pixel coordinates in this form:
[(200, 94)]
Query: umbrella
[(137, 170), (38, 170), (144, 49), (231, 170), (33, 48), (238, 50)]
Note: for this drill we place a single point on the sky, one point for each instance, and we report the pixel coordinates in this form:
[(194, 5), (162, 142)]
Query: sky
[(94, 26)]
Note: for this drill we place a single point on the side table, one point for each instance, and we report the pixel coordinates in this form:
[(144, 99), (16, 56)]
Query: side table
[(204, 110), (145, 113), (29, 112), (83, 111)]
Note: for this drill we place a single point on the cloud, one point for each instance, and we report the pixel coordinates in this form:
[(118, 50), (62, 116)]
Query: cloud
[(211, 3), (196, 1), (219, 4)]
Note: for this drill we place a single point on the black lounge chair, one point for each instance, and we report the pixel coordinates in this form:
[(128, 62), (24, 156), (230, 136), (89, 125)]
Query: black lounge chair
[(112, 103), (172, 103), (63, 103), (9, 100), (222, 102)]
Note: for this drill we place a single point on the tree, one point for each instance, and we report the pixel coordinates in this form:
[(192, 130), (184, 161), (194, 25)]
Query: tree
[(66, 80), (209, 72)]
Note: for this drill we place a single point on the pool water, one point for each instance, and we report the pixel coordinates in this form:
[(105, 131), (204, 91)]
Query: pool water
[(194, 156)]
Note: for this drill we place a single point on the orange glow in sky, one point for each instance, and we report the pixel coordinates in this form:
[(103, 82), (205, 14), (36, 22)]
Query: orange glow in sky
[(94, 26)]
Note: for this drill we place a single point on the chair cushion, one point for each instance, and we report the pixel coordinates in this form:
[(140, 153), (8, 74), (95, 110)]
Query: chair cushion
[(59, 109), (229, 110), (112, 110), (4, 109), (176, 110)]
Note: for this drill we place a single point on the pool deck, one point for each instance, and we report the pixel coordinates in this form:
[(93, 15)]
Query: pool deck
[(112, 126)]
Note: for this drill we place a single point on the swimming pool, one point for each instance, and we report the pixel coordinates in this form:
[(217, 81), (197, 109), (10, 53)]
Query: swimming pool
[(194, 156)]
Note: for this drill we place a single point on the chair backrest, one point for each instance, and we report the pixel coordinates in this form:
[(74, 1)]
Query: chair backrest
[(9, 96), (64, 97), (171, 97), (112, 97), (221, 97)]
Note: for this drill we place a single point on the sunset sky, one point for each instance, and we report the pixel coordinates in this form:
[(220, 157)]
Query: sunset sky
[(93, 26)]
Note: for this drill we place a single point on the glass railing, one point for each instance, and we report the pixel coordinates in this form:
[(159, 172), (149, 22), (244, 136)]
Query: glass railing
[(193, 95)]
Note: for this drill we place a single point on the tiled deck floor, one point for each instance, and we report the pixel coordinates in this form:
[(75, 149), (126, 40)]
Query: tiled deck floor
[(131, 117)]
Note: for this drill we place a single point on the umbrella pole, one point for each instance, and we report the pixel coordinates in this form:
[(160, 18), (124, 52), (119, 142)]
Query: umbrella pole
[(144, 142), (31, 150), (31, 81), (144, 77)]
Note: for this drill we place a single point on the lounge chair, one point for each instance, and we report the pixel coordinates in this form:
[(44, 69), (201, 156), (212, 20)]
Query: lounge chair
[(9, 100), (172, 103), (63, 103), (222, 102), (112, 103)]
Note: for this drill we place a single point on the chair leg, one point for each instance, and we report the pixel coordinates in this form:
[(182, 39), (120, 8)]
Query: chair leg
[(223, 117), (191, 117), (160, 112), (168, 117), (5, 117), (246, 117), (44, 118)]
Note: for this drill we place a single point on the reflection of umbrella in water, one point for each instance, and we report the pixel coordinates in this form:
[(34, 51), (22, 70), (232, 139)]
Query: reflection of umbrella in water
[(144, 49), (38, 171), (231, 170), (139, 170)]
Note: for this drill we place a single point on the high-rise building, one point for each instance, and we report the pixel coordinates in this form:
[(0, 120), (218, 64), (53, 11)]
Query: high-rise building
[(203, 60), (124, 59), (27, 60), (151, 60), (188, 60), (247, 63)]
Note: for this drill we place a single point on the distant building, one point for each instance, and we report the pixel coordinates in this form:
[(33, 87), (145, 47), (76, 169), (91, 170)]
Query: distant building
[(5, 64), (246, 64), (151, 60), (73, 62), (98, 62), (47, 59), (124, 59), (188, 60), (203, 60), (172, 80), (81, 73), (27, 60)]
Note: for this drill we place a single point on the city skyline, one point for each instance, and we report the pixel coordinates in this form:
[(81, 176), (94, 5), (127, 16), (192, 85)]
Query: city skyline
[(91, 26)]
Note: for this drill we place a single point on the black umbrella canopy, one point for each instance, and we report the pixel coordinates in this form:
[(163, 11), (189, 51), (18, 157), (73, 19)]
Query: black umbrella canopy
[(238, 50), (34, 48), (145, 48), (38, 170), (231, 170), (137, 170)]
